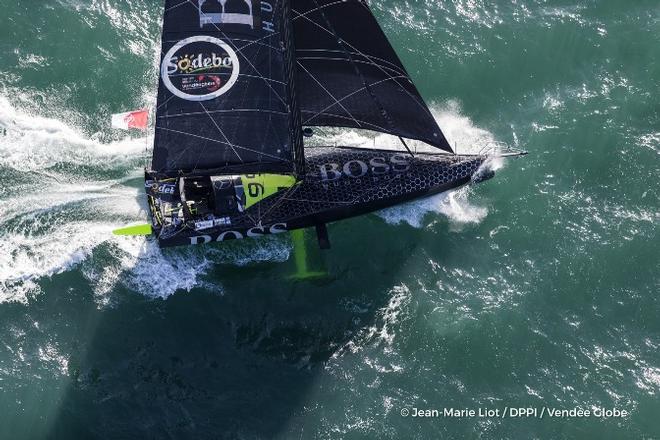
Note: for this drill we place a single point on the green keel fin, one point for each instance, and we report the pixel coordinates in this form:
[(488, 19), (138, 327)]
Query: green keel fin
[(300, 256), (134, 231)]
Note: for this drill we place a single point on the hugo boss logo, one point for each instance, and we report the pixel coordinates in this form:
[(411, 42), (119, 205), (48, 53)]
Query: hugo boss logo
[(397, 163), (200, 68), (221, 12)]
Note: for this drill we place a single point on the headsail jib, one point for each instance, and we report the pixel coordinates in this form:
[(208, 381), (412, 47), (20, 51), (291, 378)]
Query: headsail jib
[(224, 99), (349, 75)]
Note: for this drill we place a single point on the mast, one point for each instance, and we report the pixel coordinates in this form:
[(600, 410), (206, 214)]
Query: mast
[(294, 109)]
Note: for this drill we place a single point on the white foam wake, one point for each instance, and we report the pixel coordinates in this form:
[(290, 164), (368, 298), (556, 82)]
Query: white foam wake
[(455, 205), (36, 143), (53, 222), (143, 266)]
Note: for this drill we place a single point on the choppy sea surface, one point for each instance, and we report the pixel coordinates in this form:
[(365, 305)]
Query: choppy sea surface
[(536, 289)]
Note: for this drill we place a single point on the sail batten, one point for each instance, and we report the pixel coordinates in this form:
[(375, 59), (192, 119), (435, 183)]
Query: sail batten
[(224, 98), (350, 76)]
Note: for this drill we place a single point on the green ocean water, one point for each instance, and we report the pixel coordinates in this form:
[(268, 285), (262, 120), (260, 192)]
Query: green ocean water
[(536, 289)]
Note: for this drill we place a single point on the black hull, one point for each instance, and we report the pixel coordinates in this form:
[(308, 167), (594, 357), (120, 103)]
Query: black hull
[(340, 183)]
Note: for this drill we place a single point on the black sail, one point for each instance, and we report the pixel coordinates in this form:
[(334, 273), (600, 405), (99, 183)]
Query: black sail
[(224, 97), (348, 74)]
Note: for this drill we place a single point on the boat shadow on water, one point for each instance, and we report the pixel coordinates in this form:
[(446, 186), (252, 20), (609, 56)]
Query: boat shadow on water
[(232, 362)]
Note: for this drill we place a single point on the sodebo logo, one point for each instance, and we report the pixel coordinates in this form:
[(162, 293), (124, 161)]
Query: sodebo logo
[(200, 68)]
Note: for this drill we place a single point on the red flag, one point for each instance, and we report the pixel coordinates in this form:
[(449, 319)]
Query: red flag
[(136, 119)]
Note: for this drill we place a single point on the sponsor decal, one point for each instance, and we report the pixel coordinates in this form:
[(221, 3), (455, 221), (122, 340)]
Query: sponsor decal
[(257, 14), (166, 189), (209, 224), (223, 12), (160, 188), (257, 231), (200, 68), (356, 169)]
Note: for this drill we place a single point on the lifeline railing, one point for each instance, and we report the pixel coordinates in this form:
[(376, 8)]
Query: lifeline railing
[(501, 149), (494, 149)]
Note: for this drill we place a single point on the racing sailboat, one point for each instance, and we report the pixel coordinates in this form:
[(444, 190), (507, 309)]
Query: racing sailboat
[(243, 86)]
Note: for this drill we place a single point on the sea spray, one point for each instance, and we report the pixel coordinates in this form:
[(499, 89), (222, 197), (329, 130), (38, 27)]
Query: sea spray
[(34, 143), (455, 205)]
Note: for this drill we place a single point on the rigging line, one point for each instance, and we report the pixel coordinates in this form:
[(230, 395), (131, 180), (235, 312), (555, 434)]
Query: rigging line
[(321, 58), (318, 8), (175, 6), (415, 99), (244, 97), (374, 98), (244, 57), (392, 66), (220, 142), (337, 102), (371, 127), (231, 145), (244, 75), (406, 145), (165, 102), (264, 78), (351, 94), (258, 41), (184, 151), (280, 200), (271, 131), (364, 124), (238, 110), (274, 205)]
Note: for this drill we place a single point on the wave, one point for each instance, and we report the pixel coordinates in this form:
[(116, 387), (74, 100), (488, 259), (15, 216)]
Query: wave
[(454, 205)]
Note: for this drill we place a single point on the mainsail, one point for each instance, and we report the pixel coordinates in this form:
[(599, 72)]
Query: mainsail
[(225, 98), (348, 74)]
